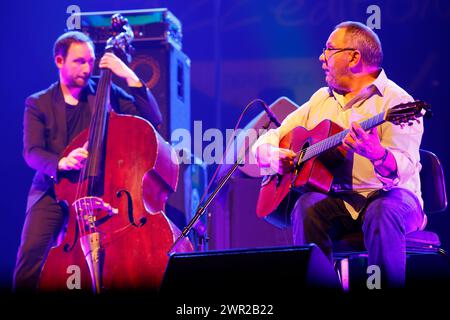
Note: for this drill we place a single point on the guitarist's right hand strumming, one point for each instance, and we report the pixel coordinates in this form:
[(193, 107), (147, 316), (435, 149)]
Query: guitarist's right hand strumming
[(280, 160)]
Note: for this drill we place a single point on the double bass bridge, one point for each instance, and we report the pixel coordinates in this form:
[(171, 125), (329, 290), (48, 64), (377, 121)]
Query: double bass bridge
[(93, 211)]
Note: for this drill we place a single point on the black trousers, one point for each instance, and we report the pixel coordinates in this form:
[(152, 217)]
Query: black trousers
[(387, 218), (43, 223)]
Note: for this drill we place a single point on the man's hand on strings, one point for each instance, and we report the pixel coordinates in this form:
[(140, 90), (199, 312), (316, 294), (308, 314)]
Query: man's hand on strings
[(120, 69), (366, 144), (75, 160)]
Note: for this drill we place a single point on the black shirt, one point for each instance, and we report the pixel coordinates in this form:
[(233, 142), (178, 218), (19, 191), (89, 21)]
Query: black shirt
[(78, 118)]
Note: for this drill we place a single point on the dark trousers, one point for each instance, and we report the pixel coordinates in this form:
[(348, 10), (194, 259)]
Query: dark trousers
[(43, 223), (388, 216)]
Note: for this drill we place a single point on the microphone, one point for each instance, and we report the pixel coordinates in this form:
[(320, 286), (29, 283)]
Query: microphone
[(270, 114)]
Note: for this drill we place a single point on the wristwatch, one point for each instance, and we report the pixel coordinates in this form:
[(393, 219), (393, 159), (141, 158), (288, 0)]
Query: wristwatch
[(379, 161)]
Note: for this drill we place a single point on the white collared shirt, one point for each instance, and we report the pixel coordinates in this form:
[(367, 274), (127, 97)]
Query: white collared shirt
[(377, 97)]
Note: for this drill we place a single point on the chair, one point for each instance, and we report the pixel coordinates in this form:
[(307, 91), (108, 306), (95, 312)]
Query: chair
[(417, 242)]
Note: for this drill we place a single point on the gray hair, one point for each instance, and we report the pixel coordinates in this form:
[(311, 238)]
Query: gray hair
[(361, 37)]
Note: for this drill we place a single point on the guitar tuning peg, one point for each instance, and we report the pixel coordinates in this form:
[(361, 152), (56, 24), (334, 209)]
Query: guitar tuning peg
[(418, 121), (410, 123)]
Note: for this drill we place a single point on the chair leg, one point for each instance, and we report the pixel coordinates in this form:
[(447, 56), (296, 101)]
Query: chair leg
[(343, 273)]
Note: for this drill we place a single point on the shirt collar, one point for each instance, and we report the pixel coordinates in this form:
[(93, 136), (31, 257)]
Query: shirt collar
[(377, 86), (380, 82)]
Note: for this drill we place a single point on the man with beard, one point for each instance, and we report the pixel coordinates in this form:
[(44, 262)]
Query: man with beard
[(378, 189), (52, 118)]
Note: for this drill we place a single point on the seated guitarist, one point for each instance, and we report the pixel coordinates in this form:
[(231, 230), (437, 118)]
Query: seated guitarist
[(377, 189)]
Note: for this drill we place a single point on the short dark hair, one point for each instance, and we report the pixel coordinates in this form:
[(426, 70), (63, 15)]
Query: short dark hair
[(62, 44), (361, 37)]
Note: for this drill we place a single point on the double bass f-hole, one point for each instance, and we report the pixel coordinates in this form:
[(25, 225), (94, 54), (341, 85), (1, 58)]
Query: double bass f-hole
[(143, 220)]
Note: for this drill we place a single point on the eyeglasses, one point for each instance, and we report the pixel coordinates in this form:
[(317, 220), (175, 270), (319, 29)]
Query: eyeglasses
[(337, 50)]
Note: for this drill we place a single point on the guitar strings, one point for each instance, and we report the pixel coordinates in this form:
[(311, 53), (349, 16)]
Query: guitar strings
[(317, 148)]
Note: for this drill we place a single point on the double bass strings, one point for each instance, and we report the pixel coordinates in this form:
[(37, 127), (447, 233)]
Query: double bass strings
[(93, 141)]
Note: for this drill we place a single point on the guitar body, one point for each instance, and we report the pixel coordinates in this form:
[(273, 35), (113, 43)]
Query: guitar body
[(314, 174)]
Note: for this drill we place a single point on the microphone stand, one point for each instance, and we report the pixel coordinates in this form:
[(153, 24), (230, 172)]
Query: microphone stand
[(201, 209)]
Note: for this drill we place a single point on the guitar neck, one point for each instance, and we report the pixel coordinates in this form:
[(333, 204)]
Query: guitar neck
[(334, 140)]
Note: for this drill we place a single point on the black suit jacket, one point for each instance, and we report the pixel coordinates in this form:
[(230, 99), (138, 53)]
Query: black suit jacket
[(45, 127)]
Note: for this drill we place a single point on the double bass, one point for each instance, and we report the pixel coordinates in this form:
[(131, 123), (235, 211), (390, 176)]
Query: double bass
[(117, 235)]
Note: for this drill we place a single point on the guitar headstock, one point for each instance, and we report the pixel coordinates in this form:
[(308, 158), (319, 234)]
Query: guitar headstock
[(408, 113)]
